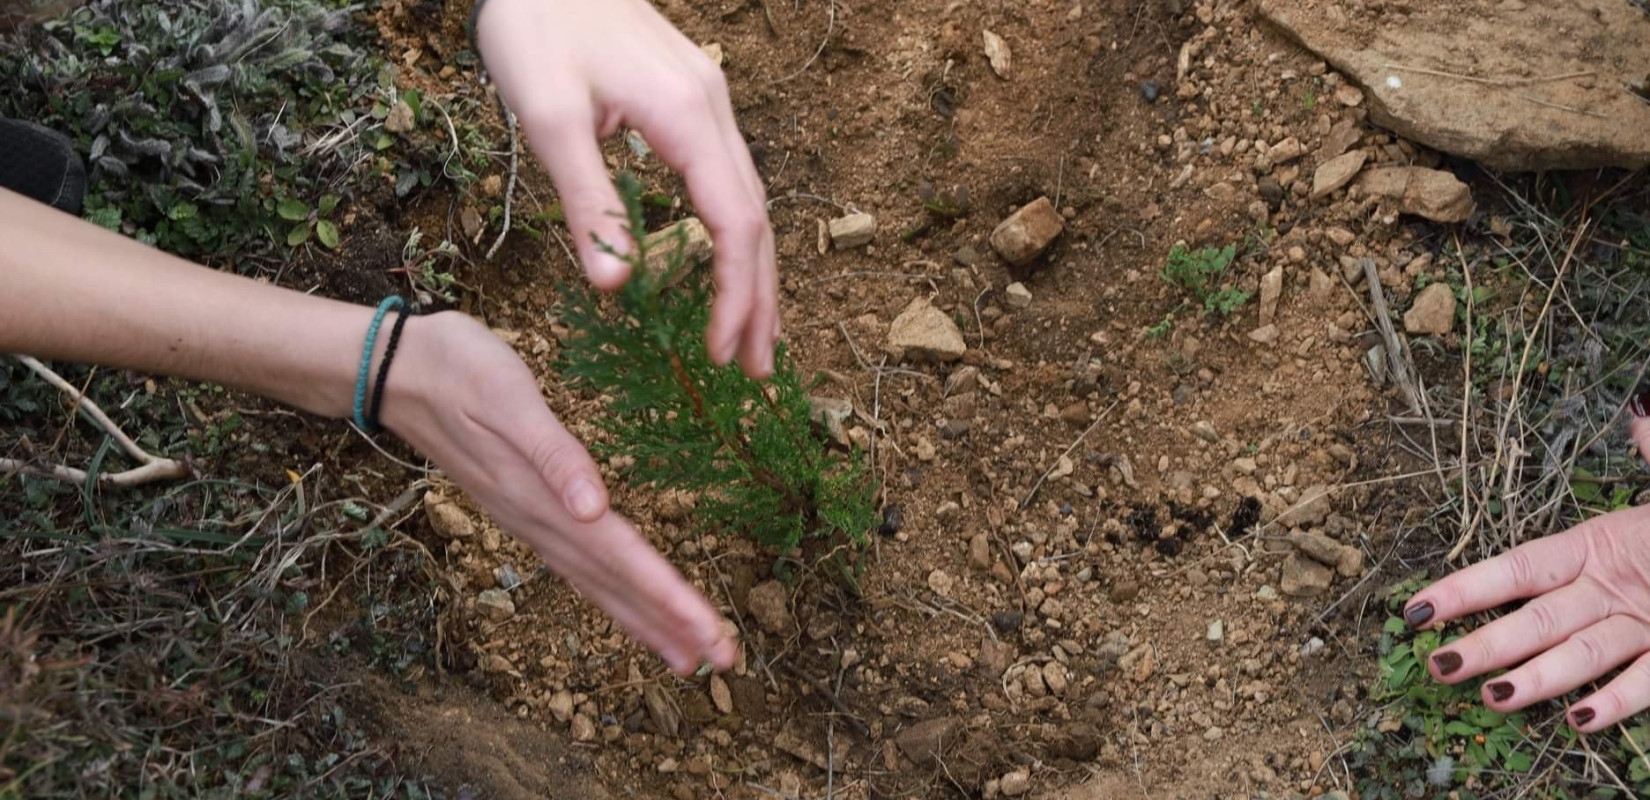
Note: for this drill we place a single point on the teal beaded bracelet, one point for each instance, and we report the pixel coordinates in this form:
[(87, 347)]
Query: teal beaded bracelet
[(388, 304)]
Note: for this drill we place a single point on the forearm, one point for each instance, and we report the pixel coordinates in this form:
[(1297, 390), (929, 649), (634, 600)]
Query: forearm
[(71, 290)]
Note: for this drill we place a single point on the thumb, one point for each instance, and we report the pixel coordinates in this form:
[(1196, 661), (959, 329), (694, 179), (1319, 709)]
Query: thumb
[(567, 147), (1640, 425)]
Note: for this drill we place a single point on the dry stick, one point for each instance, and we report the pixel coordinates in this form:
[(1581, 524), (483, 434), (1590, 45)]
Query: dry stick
[(151, 468), (1490, 81), (1538, 101), (1518, 386), (1078, 441), (1394, 345), (1466, 395), (830, 28), (510, 189)]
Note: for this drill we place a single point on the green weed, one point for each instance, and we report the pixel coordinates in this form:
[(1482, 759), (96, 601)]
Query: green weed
[(1200, 273)]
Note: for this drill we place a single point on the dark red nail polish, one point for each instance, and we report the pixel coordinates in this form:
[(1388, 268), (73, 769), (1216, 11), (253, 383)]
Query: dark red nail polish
[(1446, 662), (1418, 614), (1501, 690), (1582, 716), (1640, 405)]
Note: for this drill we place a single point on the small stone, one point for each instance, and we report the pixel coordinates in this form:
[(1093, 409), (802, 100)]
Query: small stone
[(1348, 95), (1054, 675), (1312, 646), (1312, 509), (400, 119), (1017, 295), (713, 51), (1024, 236), (1213, 734), (979, 553), (1205, 430), (1320, 288), (770, 605), (720, 696), (584, 729), (941, 582), (1341, 236), (830, 413), (495, 605), (1007, 621), (1266, 593), (1265, 334), (1271, 289), (492, 186), (1150, 90), (1433, 312), (1336, 173), (1270, 191), (470, 220), (1077, 413), (998, 54), (1022, 550), (561, 705), (1303, 577), (1015, 783), (1217, 631), (922, 331), (446, 518), (854, 230), (662, 244), (1285, 151), (1351, 563), (1124, 591), (893, 519), (1434, 194), (924, 743)]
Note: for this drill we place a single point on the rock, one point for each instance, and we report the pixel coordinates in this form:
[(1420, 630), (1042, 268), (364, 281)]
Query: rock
[(1015, 783), (1217, 631), (1266, 593), (769, 603), (1320, 287), (1312, 647), (492, 186), (400, 119), (1265, 334), (1312, 508), (1017, 295), (661, 708), (1270, 191), (893, 518), (720, 696), (1303, 577), (1433, 312), (964, 379), (1149, 90), (584, 729), (979, 552), (1586, 120), (1007, 621), (1348, 95), (662, 244), (829, 413), (1285, 151), (997, 52), (854, 230), (561, 705), (713, 51), (1124, 591), (1024, 236), (1271, 288), (1077, 413), (924, 743), (1351, 563), (495, 605), (947, 512), (1205, 430), (1054, 676), (1340, 236), (924, 332), (1431, 193), (1318, 546), (446, 518), (941, 582), (1337, 172)]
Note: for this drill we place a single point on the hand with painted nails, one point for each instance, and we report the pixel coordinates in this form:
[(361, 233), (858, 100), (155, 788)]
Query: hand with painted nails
[(573, 72), (1588, 614)]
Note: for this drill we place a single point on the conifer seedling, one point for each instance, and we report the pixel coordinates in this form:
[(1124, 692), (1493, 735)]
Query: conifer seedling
[(749, 450)]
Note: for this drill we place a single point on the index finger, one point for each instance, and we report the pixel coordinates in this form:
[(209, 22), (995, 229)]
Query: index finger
[(1531, 569)]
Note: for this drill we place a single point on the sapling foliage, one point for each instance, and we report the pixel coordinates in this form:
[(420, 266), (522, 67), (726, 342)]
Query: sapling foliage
[(748, 449)]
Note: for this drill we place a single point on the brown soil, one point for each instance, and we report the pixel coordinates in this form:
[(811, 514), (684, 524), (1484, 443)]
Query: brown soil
[(1108, 581)]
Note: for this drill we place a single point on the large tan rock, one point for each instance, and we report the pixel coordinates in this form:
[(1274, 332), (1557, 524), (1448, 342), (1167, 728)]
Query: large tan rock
[(1519, 85), (1433, 312), (1024, 236), (925, 333), (1431, 193)]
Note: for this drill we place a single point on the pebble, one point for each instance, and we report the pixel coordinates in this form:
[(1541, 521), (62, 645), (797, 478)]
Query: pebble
[(584, 729), (853, 230), (998, 54), (1018, 296), (1433, 312), (1285, 151), (1007, 620), (941, 582), (1026, 233), (979, 553), (770, 605), (1337, 172), (448, 520), (1303, 577), (1124, 591), (1150, 90), (1217, 631), (1015, 783), (496, 605), (893, 519), (1205, 430), (1265, 334), (400, 118), (924, 332), (1312, 646), (1271, 290), (1266, 593), (1434, 194), (1022, 550)]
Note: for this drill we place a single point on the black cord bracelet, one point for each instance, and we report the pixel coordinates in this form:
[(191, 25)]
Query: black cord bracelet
[(384, 368)]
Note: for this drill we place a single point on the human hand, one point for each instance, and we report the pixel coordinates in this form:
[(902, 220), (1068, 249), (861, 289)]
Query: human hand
[(1590, 614), (573, 71), (465, 400)]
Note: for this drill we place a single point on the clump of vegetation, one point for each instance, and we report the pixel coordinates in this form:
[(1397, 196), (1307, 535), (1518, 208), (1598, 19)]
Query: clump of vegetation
[(1201, 273), (210, 127), (750, 450)]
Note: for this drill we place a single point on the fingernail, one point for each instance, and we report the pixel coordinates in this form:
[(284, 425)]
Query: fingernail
[(1447, 662), (1501, 690), (1640, 404), (1582, 716), (1418, 614), (584, 500)]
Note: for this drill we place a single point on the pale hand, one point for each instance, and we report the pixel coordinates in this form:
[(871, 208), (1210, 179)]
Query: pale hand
[(573, 72)]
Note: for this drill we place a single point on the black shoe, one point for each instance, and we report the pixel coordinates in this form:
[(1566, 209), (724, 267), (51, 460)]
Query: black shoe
[(41, 164)]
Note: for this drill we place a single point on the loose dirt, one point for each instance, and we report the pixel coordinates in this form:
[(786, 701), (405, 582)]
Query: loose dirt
[(1123, 628)]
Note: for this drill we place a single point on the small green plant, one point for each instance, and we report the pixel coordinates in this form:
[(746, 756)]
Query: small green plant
[(420, 265), (1163, 328), (1200, 272), (749, 450), (1309, 99)]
